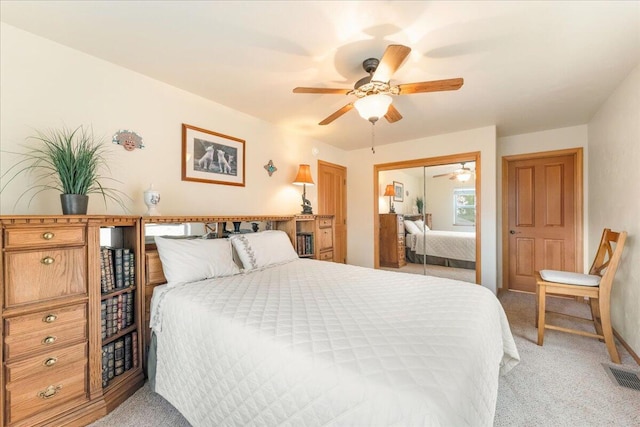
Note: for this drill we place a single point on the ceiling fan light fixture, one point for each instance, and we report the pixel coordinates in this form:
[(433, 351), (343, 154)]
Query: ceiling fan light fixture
[(464, 176), (372, 107)]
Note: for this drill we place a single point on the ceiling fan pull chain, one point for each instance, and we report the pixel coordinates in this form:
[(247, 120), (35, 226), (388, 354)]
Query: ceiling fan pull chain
[(373, 126)]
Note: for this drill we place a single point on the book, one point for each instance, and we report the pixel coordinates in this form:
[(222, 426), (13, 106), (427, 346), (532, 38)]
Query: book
[(105, 366), (119, 356), (109, 270), (128, 352), (103, 270), (109, 317), (134, 348), (126, 267), (119, 313), (129, 309), (118, 268), (132, 269), (103, 318), (111, 373)]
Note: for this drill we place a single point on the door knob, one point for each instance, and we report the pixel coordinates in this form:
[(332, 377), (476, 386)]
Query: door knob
[(514, 232)]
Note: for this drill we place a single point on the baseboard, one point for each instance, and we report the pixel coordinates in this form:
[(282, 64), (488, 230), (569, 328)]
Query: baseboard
[(627, 347)]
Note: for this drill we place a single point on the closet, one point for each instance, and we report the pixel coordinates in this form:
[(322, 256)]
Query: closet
[(426, 213)]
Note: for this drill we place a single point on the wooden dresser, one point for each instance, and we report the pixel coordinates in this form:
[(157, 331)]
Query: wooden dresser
[(392, 241), (51, 319)]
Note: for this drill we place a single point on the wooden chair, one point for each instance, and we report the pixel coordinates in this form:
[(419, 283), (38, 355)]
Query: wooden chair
[(596, 286)]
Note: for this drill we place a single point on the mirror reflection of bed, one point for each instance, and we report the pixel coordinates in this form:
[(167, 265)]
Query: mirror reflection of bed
[(440, 238)]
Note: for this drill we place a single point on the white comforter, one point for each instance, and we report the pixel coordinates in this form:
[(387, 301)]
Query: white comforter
[(446, 244), (318, 343)]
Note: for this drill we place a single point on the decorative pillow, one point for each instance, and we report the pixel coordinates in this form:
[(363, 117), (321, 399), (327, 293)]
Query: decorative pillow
[(411, 227), (190, 260), (262, 249), (421, 225)]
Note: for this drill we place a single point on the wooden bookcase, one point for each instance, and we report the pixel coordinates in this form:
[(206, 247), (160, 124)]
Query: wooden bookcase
[(51, 326), (315, 235)]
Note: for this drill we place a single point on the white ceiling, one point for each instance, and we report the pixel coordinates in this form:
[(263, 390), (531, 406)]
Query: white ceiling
[(527, 66)]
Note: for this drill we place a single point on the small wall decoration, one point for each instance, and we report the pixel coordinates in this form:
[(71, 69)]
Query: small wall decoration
[(270, 167), (212, 157), (398, 189), (128, 139)]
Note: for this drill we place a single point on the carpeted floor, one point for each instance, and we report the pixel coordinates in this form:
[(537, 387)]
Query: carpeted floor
[(463, 274), (562, 383)]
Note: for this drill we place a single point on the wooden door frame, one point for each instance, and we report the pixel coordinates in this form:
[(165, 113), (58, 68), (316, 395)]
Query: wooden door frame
[(577, 153), (473, 156)]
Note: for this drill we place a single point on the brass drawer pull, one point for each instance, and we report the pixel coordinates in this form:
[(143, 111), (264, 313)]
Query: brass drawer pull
[(48, 235), (49, 340), (50, 362), (49, 392), (47, 260), (50, 318)]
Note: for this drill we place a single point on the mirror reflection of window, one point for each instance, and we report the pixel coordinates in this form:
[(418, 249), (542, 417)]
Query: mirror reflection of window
[(464, 206)]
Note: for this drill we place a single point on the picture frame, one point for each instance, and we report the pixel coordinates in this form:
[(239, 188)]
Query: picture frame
[(212, 157), (398, 191)]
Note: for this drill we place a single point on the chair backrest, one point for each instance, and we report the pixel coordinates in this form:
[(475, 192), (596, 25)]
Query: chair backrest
[(608, 256)]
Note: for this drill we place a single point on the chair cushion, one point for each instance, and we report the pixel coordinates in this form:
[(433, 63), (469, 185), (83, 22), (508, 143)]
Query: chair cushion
[(570, 278)]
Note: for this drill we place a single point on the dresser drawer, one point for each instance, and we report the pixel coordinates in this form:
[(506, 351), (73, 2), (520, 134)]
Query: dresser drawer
[(32, 332), (324, 223), (47, 363), (39, 275), (43, 237), (48, 393), (326, 256), (325, 240)]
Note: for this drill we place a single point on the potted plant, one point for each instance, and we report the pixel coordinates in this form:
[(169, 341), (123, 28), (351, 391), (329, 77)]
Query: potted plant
[(419, 204), (70, 161)]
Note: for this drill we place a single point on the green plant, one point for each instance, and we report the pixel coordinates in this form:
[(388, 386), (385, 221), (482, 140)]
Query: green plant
[(419, 203), (70, 161)]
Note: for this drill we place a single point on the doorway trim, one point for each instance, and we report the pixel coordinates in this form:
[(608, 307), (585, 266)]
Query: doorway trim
[(430, 161), (579, 211)]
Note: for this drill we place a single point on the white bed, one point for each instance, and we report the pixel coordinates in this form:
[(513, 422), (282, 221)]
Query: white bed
[(458, 245), (309, 342)]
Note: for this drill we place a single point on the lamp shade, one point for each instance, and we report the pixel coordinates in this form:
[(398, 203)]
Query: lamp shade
[(304, 176), (372, 107), (389, 190)]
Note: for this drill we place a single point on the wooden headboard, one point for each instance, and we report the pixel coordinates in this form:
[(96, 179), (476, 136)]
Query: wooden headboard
[(152, 268)]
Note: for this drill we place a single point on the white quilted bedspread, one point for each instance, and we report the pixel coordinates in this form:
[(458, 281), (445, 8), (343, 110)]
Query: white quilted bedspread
[(446, 244), (312, 343)]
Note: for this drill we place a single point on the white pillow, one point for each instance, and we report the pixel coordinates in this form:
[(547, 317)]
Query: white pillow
[(421, 225), (262, 249), (411, 227), (190, 260)]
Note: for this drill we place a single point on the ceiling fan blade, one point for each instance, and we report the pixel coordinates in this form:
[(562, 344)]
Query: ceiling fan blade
[(337, 114), (393, 57), (392, 115), (432, 86), (442, 174), (321, 90)]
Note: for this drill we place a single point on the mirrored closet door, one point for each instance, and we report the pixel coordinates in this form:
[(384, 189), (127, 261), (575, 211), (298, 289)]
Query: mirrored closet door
[(427, 212)]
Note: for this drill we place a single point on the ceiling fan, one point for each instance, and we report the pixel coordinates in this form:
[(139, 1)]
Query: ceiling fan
[(373, 91), (462, 174)]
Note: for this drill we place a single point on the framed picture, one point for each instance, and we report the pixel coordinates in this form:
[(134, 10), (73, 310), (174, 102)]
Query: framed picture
[(212, 157), (398, 191)]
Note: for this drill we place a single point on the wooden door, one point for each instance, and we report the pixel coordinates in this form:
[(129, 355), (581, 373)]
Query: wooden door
[(332, 200), (543, 228)]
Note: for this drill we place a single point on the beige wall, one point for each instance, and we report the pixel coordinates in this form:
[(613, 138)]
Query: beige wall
[(46, 85), (614, 202), (360, 189)]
